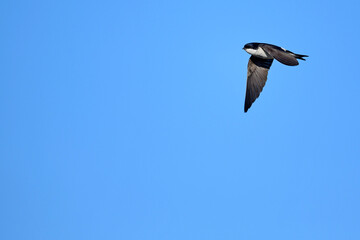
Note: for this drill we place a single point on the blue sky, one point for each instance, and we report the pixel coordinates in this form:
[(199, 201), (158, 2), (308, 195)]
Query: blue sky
[(124, 120)]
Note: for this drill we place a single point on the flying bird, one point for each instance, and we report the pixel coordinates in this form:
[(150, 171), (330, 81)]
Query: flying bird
[(262, 56)]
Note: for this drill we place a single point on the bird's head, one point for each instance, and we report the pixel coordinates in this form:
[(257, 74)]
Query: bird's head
[(250, 47)]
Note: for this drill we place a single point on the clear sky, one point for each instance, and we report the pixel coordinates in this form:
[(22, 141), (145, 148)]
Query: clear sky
[(124, 120)]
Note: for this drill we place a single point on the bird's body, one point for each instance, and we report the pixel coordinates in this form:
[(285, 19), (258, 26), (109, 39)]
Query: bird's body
[(262, 56), (259, 52)]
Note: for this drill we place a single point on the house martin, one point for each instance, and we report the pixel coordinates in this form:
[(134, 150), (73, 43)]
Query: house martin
[(262, 56)]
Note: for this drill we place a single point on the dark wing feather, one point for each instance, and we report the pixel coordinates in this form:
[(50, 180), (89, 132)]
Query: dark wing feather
[(256, 78), (279, 54)]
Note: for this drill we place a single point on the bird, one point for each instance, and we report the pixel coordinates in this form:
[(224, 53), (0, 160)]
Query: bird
[(262, 56)]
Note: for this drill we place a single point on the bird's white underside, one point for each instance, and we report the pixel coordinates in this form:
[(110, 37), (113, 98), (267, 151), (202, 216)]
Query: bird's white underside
[(259, 52)]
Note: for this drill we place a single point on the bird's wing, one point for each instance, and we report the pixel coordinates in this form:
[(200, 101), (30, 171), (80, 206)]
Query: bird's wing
[(280, 55), (256, 78)]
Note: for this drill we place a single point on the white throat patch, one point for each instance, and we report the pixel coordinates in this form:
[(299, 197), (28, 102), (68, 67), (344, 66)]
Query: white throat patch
[(258, 53)]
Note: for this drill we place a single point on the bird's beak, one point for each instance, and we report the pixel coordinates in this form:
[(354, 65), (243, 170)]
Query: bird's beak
[(243, 48)]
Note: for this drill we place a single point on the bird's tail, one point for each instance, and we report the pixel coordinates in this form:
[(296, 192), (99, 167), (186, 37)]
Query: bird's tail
[(299, 56)]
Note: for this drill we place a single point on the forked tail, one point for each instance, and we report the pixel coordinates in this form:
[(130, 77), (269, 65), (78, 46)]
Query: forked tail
[(299, 56)]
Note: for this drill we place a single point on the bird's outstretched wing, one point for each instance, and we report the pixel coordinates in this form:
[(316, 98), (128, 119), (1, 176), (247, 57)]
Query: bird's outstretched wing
[(283, 56), (256, 78)]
